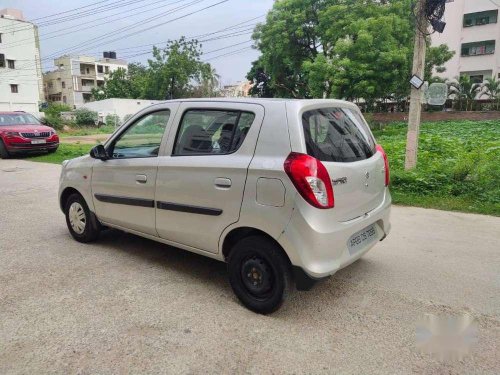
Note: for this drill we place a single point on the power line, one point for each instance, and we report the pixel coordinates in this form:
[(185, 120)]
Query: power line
[(229, 53), (163, 23), (140, 23), (78, 29), (71, 10), (87, 13)]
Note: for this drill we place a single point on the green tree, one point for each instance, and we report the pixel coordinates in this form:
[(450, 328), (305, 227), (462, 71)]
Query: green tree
[(435, 58), (53, 114), (339, 48), (464, 91), (121, 84), (173, 70), (261, 81), (287, 39), (85, 117), (491, 88), (209, 85)]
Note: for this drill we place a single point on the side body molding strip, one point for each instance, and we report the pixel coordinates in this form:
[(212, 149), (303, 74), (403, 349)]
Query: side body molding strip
[(125, 200), (188, 208), (139, 202)]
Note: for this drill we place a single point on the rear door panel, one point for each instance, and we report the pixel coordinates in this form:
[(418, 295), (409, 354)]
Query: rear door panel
[(198, 196)]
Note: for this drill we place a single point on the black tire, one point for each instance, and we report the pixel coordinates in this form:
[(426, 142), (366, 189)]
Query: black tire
[(259, 274), (91, 227), (4, 154), (52, 150)]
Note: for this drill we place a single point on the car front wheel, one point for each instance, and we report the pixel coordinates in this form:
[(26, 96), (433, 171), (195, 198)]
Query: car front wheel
[(4, 154), (259, 274), (79, 220)]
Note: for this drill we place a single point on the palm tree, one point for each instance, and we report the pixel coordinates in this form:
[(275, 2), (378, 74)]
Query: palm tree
[(462, 88), (210, 81), (491, 88)]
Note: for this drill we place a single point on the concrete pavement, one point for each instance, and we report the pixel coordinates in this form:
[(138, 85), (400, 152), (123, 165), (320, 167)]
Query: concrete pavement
[(130, 305)]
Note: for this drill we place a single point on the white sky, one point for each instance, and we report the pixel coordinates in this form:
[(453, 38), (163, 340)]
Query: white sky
[(232, 67)]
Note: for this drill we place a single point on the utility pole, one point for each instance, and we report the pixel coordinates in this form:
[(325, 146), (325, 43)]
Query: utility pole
[(416, 94)]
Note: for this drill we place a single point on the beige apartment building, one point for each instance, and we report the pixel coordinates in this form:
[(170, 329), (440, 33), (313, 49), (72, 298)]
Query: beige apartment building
[(473, 32), (75, 76)]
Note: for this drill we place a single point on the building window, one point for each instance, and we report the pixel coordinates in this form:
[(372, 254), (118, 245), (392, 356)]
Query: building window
[(480, 18), (51, 85), (478, 48), (476, 78), (63, 84), (14, 89), (100, 69), (2, 60), (11, 64), (0, 37)]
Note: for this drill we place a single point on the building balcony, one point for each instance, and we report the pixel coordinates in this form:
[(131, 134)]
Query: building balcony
[(86, 88)]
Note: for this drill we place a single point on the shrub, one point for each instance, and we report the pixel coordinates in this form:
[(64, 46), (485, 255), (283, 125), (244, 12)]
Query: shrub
[(112, 120), (53, 114), (85, 116), (126, 117)]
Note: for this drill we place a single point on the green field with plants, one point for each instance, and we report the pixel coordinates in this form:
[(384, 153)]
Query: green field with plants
[(458, 165)]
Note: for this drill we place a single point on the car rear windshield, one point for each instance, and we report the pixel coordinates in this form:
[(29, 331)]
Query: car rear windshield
[(337, 134), (18, 119)]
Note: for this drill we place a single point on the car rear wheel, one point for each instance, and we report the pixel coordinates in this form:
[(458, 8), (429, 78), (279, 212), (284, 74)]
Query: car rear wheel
[(52, 150), (4, 154), (259, 274), (79, 220)]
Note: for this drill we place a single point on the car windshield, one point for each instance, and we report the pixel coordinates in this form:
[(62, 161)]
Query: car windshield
[(18, 119)]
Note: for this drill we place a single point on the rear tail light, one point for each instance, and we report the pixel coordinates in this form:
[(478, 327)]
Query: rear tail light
[(311, 179), (386, 165)]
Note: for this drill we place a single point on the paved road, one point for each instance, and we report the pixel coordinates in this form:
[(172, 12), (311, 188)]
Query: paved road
[(126, 304)]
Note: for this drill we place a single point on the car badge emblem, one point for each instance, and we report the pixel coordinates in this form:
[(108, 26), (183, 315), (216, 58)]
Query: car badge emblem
[(367, 175), (340, 181)]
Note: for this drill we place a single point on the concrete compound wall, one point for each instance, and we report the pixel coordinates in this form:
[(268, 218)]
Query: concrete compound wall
[(386, 117)]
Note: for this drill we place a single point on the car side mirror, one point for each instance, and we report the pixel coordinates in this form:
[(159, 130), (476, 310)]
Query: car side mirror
[(44, 121), (99, 152)]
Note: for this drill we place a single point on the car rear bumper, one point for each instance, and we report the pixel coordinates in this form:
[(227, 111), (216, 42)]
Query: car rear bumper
[(321, 254)]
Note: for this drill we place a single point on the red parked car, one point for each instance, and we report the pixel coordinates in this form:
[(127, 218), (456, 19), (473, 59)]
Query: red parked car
[(21, 132)]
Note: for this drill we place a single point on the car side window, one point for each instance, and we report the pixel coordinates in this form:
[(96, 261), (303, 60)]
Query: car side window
[(212, 131), (143, 138)]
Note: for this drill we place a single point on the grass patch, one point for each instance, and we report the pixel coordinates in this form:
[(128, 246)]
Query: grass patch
[(458, 166), (87, 130), (65, 151)]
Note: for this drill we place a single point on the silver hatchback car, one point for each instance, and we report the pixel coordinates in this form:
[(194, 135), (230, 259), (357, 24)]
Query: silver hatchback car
[(281, 190)]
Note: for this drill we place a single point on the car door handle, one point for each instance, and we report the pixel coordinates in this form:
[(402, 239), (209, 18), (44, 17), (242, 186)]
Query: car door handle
[(222, 183), (142, 178)]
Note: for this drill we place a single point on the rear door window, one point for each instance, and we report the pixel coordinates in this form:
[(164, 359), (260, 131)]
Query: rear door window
[(212, 132), (337, 134)]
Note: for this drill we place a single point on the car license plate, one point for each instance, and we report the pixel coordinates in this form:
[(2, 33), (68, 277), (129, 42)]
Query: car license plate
[(38, 141), (362, 238)]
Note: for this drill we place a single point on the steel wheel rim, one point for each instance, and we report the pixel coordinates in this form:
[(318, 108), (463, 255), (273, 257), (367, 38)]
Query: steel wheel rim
[(77, 218), (257, 277)]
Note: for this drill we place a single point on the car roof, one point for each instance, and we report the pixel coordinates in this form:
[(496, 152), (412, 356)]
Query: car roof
[(12, 112), (252, 100)]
